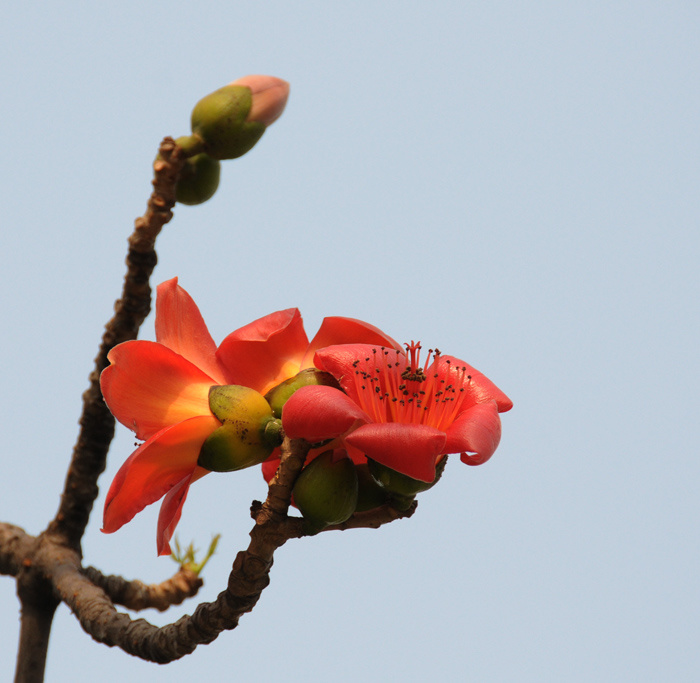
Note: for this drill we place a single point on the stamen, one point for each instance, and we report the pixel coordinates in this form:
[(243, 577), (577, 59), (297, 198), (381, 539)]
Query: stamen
[(399, 389)]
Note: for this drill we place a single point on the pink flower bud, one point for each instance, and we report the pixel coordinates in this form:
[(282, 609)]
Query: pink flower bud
[(269, 97)]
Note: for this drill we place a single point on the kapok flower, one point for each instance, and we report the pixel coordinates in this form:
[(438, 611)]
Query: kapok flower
[(161, 391), (392, 410)]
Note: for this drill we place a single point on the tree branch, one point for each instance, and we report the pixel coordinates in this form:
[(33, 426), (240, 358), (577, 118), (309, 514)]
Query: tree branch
[(96, 422), (249, 577), (15, 545)]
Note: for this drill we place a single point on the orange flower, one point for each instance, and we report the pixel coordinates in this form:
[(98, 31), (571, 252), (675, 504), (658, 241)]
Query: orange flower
[(398, 413)]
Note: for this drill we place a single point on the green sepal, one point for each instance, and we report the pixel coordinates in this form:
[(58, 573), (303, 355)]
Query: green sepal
[(277, 396), (219, 119), (326, 491), (400, 484)]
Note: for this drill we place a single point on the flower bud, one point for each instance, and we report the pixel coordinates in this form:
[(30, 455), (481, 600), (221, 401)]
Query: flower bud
[(249, 432), (277, 396), (326, 490), (199, 178), (400, 485), (370, 494), (232, 119)]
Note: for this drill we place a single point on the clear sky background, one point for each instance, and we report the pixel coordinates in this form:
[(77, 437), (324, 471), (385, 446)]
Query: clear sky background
[(516, 183)]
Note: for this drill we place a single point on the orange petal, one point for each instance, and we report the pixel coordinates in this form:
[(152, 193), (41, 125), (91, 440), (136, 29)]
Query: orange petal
[(477, 430), (411, 449), (479, 387), (316, 413), (148, 387), (171, 509), (265, 352), (180, 327), (269, 97), (153, 469), (336, 330)]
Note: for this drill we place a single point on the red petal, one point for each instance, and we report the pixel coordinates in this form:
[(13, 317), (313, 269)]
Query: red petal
[(411, 449), (180, 327), (477, 430), (480, 388), (316, 413), (155, 468), (149, 387), (337, 330), (265, 352), (171, 510)]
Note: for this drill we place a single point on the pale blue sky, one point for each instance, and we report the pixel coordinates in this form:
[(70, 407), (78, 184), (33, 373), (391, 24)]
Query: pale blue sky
[(516, 183)]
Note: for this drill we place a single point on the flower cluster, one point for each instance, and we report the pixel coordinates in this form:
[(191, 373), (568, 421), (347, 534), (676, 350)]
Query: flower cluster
[(380, 419), (162, 391)]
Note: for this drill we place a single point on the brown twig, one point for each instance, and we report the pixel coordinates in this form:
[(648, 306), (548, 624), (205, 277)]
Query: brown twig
[(136, 595)]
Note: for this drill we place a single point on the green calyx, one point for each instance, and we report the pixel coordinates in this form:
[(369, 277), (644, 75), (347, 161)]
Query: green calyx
[(277, 396), (199, 178), (219, 119), (326, 491), (249, 432), (402, 487)]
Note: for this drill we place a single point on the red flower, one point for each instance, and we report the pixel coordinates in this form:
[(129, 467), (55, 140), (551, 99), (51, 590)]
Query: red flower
[(397, 413), (160, 390)]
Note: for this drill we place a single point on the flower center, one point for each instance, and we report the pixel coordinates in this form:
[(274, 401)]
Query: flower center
[(393, 387)]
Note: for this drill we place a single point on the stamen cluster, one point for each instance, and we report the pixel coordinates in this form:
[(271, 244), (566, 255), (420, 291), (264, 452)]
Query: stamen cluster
[(393, 387)]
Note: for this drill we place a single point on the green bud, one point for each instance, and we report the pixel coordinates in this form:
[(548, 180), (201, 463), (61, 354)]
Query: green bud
[(249, 432), (277, 396), (198, 180), (326, 490), (219, 119), (370, 494), (399, 484)]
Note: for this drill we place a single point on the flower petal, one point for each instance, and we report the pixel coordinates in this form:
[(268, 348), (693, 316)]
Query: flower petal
[(316, 413), (479, 387), (477, 430), (265, 352), (149, 387), (337, 330), (180, 327), (411, 449), (153, 469), (171, 510), (269, 97)]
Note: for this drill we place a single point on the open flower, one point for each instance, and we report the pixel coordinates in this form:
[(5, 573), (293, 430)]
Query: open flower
[(398, 413), (161, 391)]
